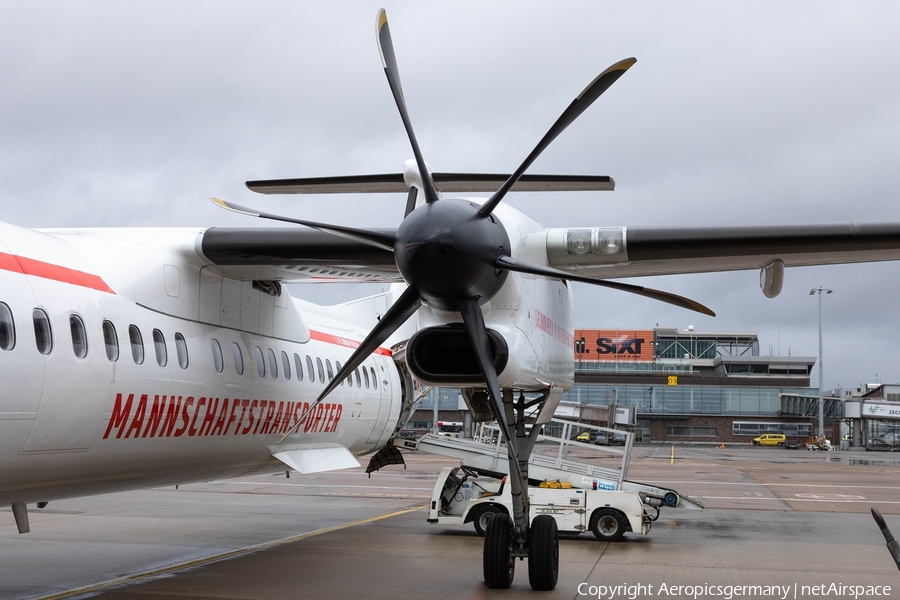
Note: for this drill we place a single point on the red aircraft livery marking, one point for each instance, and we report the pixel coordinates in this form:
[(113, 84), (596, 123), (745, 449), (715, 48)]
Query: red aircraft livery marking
[(175, 416), (342, 341), (553, 329), (37, 268)]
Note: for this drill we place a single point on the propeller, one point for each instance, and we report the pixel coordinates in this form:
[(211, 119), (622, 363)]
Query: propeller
[(453, 253)]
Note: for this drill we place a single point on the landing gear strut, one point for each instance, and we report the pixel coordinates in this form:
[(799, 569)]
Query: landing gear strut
[(507, 539)]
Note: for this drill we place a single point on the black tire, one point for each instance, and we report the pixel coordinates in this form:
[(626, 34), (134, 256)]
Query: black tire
[(670, 499), (482, 515), (543, 553), (755, 443), (499, 564), (780, 444), (608, 525)]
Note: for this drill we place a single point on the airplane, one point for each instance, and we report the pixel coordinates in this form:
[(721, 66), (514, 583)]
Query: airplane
[(143, 357)]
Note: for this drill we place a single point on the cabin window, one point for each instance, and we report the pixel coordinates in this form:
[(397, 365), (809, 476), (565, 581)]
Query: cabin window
[(350, 379), (310, 370), (159, 346), (328, 369), (43, 335), (337, 369), (298, 365), (181, 350), (7, 328), (374, 378), (238, 358), (366, 376), (110, 341), (260, 361), (320, 369), (285, 365), (79, 336), (137, 344), (358, 378), (273, 363), (218, 359)]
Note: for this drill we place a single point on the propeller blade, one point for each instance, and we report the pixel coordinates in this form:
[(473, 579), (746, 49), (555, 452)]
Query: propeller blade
[(599, 85), (389, 61), (474, 321), (411, 201), (475, 326), (401, 310), (511, 264), (372, 238)]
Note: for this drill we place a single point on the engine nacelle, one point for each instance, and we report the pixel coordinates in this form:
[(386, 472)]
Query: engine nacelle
[(443, 355)]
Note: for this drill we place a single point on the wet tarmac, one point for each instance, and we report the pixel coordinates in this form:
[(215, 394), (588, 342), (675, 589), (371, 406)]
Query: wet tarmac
[(777, 523)]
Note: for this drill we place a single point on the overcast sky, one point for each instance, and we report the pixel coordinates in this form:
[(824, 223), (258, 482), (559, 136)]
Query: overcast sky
[(120, 114)]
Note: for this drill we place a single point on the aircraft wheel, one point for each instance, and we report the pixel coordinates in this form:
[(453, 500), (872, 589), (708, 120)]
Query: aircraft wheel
[(499, 563), (484, 514), (543, 553), (608, 525)]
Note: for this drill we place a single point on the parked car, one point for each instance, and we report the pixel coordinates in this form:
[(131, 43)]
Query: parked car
[(770, 439)]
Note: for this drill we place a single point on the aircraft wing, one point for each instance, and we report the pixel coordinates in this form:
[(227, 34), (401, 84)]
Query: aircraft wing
[(616, 252), (300, 254), (297, 254)]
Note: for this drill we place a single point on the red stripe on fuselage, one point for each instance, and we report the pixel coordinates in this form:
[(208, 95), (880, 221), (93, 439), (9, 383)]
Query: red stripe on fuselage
[(342, 341), (37, 268), (29, 266)]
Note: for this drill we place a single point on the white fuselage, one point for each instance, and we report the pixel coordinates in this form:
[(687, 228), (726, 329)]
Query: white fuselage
[(112, 419)]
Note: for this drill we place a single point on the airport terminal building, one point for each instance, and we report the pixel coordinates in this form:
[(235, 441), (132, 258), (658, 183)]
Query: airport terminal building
[(691, 386), (694, 386)]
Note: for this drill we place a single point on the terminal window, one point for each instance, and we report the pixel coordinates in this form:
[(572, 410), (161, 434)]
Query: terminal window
[(676, 430), (755, 428)]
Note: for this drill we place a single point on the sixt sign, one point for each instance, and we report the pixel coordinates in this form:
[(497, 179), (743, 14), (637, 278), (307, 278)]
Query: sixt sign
[(613, 345)]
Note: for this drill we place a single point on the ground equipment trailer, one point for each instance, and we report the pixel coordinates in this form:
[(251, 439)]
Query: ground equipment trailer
[(486, 455), (463, 494)]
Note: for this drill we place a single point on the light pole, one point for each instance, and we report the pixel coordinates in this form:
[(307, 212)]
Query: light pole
[(820, 291)]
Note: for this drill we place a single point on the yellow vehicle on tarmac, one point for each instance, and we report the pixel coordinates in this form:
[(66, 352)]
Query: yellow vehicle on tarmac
[(770, 439)]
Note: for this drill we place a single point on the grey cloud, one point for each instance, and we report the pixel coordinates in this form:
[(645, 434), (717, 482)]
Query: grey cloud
[(761, 113)]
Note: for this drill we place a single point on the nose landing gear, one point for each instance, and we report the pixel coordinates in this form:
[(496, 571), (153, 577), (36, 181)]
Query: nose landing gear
[(507, 539)]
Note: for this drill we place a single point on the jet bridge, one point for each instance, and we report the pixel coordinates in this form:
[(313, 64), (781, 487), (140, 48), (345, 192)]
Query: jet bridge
[(486, 453)]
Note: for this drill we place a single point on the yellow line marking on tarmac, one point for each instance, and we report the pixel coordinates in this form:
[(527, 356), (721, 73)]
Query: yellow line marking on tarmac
[(198, 562)]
